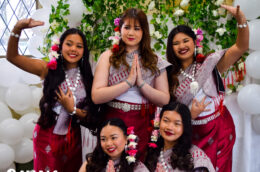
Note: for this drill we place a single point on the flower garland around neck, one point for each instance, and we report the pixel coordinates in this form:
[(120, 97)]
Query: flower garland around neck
[(116, 38), (53, 55), (132, 144), (155, 132), (199, 48)]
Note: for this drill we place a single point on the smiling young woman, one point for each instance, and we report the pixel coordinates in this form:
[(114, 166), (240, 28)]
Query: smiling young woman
[(132, 80)]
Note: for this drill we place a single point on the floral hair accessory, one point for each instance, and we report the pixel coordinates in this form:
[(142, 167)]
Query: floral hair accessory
[(132, 144), (155, 132), (199, 38), (53, 55), (116, 38)]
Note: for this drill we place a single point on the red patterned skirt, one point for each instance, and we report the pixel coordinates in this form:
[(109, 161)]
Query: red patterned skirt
[(215, 135), (53, 153), (139, 119)]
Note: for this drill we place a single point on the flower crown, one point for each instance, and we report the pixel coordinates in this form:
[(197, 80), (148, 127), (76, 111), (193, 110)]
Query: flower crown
[(115, 39), (53, 55), (155, 132), (132, 144), (199, 51)]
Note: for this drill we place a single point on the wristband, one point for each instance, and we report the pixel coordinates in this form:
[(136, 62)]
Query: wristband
[(74, 111), (141, 85), (130, 85), (244, 25), (14, 35)]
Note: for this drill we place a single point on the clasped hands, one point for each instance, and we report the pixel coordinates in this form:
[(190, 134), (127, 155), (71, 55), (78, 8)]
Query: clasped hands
[(135, 75)]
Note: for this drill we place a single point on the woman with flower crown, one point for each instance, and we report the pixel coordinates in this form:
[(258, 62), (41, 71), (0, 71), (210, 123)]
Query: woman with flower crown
[(66, 101), (130, 78), (172, 150), (115, 150), (197, 83)]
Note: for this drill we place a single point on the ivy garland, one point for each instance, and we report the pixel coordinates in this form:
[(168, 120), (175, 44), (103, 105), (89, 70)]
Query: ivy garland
[(98, 24)]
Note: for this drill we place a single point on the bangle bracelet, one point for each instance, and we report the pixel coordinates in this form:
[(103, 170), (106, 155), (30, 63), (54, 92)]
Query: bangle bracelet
[(141, 85), (244, 25), (129, 84), (74, 111), (14, 35)]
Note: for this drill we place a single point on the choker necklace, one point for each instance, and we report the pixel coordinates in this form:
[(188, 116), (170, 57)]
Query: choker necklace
[(194, 85), (70, 85)]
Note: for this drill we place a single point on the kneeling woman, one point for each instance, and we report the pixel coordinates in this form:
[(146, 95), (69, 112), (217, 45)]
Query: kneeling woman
[(109, 154), (173, 149)]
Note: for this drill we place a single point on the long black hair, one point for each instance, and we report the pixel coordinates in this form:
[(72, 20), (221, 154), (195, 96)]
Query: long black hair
[(55, 77), (97, 161), (181, 157), (174, 70)]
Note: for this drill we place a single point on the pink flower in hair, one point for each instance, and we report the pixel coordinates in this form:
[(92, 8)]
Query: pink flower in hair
[(152, 145), (52, 64), (130, 130), (55, 47), (117, 21)]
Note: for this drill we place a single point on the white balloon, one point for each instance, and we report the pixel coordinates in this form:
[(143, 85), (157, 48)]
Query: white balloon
[(252, 64), (77, 9), (4, 112), (19, 97), (37, 95), (9, 74), (29, 78), (254, 34), (48, 3), (2, 93), (23, 151), (11, 168), (249, 98), (6, 156), (11, 131), (42, 15), (256, 123), (34, 43), (250, 8), (28, 122)]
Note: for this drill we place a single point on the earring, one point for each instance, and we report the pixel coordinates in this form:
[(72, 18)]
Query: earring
[(195, 51)]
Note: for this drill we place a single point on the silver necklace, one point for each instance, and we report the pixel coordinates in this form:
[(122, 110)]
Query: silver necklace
[(194, 85), (165, 165), (72, 86)]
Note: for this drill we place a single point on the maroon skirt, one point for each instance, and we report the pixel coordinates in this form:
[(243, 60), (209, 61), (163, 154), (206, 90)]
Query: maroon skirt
[(216, 136), (140, 120), (52, 152)]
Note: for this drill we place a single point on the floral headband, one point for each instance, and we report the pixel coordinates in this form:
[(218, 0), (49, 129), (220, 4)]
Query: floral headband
[(132, 144), (155, 132), (115, 39), (53, 55)]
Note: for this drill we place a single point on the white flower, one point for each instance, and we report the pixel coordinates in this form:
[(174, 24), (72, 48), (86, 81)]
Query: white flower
[(117, 34), (239, 87), (221, 11), (219, 2), (152, 30), (115, 41), (88, 11), (131, 136), (54, 24), (132, 144), (55, 41), (90, 28), (154, 138), (184, 3), (151, 5), (158, 20), (178, 12), (221, 31), (54, 54), (130, 159), (228, 91), (215, 13), (241, 66), (200, 50), (157, 35)]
